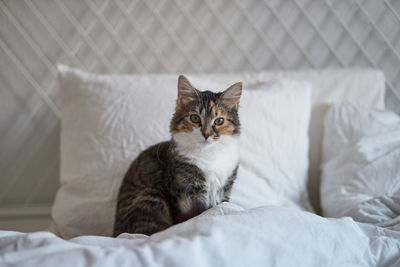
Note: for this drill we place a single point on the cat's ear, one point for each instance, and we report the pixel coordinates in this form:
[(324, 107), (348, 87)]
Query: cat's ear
[(186, 91), (231, 96)]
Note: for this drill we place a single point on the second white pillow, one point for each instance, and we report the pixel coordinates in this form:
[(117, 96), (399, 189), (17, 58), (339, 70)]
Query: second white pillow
[(274, 145)]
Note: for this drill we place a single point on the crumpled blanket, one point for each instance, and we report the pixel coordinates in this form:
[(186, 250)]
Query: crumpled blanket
[(225, 235)]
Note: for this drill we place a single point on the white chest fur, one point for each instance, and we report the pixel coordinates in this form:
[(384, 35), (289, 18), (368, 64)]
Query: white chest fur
[(217, 161)]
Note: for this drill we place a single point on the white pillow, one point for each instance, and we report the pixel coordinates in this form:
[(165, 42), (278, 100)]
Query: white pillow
[(107, 120), (361, 158)]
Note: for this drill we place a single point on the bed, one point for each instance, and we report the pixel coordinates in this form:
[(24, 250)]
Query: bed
[(342, 122)]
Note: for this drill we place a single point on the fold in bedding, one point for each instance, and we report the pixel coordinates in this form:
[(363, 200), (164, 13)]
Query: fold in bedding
[(225, 235), (382, 211)]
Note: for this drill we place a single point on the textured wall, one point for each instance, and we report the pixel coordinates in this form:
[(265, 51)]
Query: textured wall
[(162, 36)]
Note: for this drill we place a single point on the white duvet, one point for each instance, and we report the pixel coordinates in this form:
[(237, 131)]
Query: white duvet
[(223, 236)]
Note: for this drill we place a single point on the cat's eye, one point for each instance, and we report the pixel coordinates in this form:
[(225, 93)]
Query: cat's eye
[(195, 118), (219, 121)]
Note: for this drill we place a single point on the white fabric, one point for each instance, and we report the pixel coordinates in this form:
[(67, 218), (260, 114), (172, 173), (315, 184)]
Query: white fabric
[(107, 120), (224, 236), (361, 164), (382, 211), (274, 146)]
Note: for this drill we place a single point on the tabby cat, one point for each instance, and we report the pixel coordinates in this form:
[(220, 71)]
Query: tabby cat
[(173, 181)]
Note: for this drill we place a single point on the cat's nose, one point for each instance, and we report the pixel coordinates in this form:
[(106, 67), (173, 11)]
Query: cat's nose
[(206, 135)]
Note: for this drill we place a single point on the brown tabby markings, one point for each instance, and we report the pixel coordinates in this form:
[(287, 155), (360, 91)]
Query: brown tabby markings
[(162, 187)]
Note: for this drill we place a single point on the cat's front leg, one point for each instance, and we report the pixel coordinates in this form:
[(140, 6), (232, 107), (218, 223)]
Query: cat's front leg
[(227, 189)]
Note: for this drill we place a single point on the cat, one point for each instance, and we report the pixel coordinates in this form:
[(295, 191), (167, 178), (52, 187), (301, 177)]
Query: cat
[(173, 181)]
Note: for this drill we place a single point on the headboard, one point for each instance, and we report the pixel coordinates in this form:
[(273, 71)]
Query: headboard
[(173, 36)]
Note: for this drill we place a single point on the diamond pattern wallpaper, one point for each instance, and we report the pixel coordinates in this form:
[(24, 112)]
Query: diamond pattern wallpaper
[(168, 36)]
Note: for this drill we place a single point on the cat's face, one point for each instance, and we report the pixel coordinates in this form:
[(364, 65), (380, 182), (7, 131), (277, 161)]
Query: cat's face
[(205, 117)]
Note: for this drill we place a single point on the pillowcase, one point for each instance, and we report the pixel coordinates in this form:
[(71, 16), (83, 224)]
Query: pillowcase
[(107, 120), (361, 159)]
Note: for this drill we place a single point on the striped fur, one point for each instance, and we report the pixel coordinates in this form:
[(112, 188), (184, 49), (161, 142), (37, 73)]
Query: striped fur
[(174, 181)]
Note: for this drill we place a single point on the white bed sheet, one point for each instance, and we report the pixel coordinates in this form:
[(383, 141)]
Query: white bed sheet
[(225, 235)]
